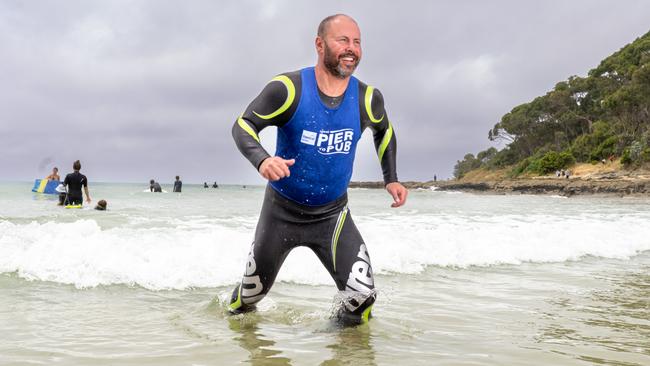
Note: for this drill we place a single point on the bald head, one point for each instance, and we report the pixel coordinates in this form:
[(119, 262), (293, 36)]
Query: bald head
[(324, 25)]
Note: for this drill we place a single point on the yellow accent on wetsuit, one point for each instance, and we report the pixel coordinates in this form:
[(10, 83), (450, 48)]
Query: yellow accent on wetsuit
[(291, 95), (337, 232), (237, 304), (365, 316), (368, 102), (385, 141), (247, 128)]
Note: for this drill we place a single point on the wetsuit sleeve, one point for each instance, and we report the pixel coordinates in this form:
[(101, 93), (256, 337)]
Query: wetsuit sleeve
[(374, 116), (274, 106)]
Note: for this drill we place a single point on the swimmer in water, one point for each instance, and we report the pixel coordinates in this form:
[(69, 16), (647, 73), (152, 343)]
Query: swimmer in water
[(154, 186), (74, 182)]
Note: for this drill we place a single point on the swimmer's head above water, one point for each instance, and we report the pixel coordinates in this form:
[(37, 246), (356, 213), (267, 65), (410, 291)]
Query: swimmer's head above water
[(101, 205)]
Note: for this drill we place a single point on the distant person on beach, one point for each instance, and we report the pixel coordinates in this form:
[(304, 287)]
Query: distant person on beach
[(73, 182), (178, 185), (567, 174), (55, 175), (101, 205), (205, 185), (154, 186), (215, 185), (435, 179), (320, 113)]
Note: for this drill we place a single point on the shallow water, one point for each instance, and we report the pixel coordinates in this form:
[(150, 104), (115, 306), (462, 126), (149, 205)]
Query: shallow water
[(463, 280)]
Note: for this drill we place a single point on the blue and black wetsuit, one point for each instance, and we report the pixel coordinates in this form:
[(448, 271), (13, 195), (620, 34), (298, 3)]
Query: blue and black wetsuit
[(309, 208)]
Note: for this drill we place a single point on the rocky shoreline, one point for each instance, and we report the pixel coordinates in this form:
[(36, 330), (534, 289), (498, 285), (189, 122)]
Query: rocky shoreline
[(606, 185)]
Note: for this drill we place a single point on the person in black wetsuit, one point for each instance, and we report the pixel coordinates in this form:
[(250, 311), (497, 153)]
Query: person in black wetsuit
[(154, 186), (320, 113), (178, 184), (73, 182)]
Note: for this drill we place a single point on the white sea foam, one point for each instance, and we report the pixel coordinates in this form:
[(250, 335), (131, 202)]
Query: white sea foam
[(462, 242), (201, 255), (82, 254)]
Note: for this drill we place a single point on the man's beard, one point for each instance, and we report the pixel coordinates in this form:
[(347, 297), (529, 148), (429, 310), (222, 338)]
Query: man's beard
[(334, 66)]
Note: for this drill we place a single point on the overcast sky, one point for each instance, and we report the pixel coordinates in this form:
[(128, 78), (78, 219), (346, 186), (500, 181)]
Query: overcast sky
[(150, 89)]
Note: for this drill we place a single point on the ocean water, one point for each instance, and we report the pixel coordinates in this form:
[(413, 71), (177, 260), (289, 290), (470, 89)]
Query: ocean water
[(463, 279)]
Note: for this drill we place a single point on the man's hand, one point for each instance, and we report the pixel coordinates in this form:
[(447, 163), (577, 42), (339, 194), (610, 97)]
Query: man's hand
[(399, 193), (276, 168)]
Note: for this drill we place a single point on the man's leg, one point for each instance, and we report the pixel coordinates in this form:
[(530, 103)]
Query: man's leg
[(267, 253), (346, 258), (262, 267)]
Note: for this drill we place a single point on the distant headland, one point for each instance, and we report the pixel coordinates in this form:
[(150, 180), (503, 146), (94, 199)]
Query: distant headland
[(596, 128), (610, 178)]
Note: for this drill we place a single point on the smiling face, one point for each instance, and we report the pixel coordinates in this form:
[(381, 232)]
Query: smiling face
[(339, 47)]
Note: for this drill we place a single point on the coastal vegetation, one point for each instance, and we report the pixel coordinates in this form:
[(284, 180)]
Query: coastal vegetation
[(602, 117)]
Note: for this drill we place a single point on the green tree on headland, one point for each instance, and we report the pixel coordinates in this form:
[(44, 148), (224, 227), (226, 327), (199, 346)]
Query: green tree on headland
[(586, 119)]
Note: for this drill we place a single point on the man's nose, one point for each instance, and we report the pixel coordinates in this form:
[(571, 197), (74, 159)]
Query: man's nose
[(353, 47)]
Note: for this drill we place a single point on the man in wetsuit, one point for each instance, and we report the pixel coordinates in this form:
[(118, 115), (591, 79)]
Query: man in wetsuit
[(74, 181), (154, 186), (178, 184), (320, 113)]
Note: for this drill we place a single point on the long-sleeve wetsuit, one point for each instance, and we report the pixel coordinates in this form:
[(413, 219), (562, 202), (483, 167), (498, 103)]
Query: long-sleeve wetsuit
[(277, 104), (309, 208)]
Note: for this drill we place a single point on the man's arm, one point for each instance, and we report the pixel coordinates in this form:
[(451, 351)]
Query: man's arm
[(374, 116), (87, 194), (274, 106)]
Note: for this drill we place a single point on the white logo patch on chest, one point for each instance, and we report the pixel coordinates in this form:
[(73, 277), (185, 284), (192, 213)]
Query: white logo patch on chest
[(308, 137), (329, 142)]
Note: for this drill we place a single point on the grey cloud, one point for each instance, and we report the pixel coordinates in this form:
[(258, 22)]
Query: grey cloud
[(141, 89)]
